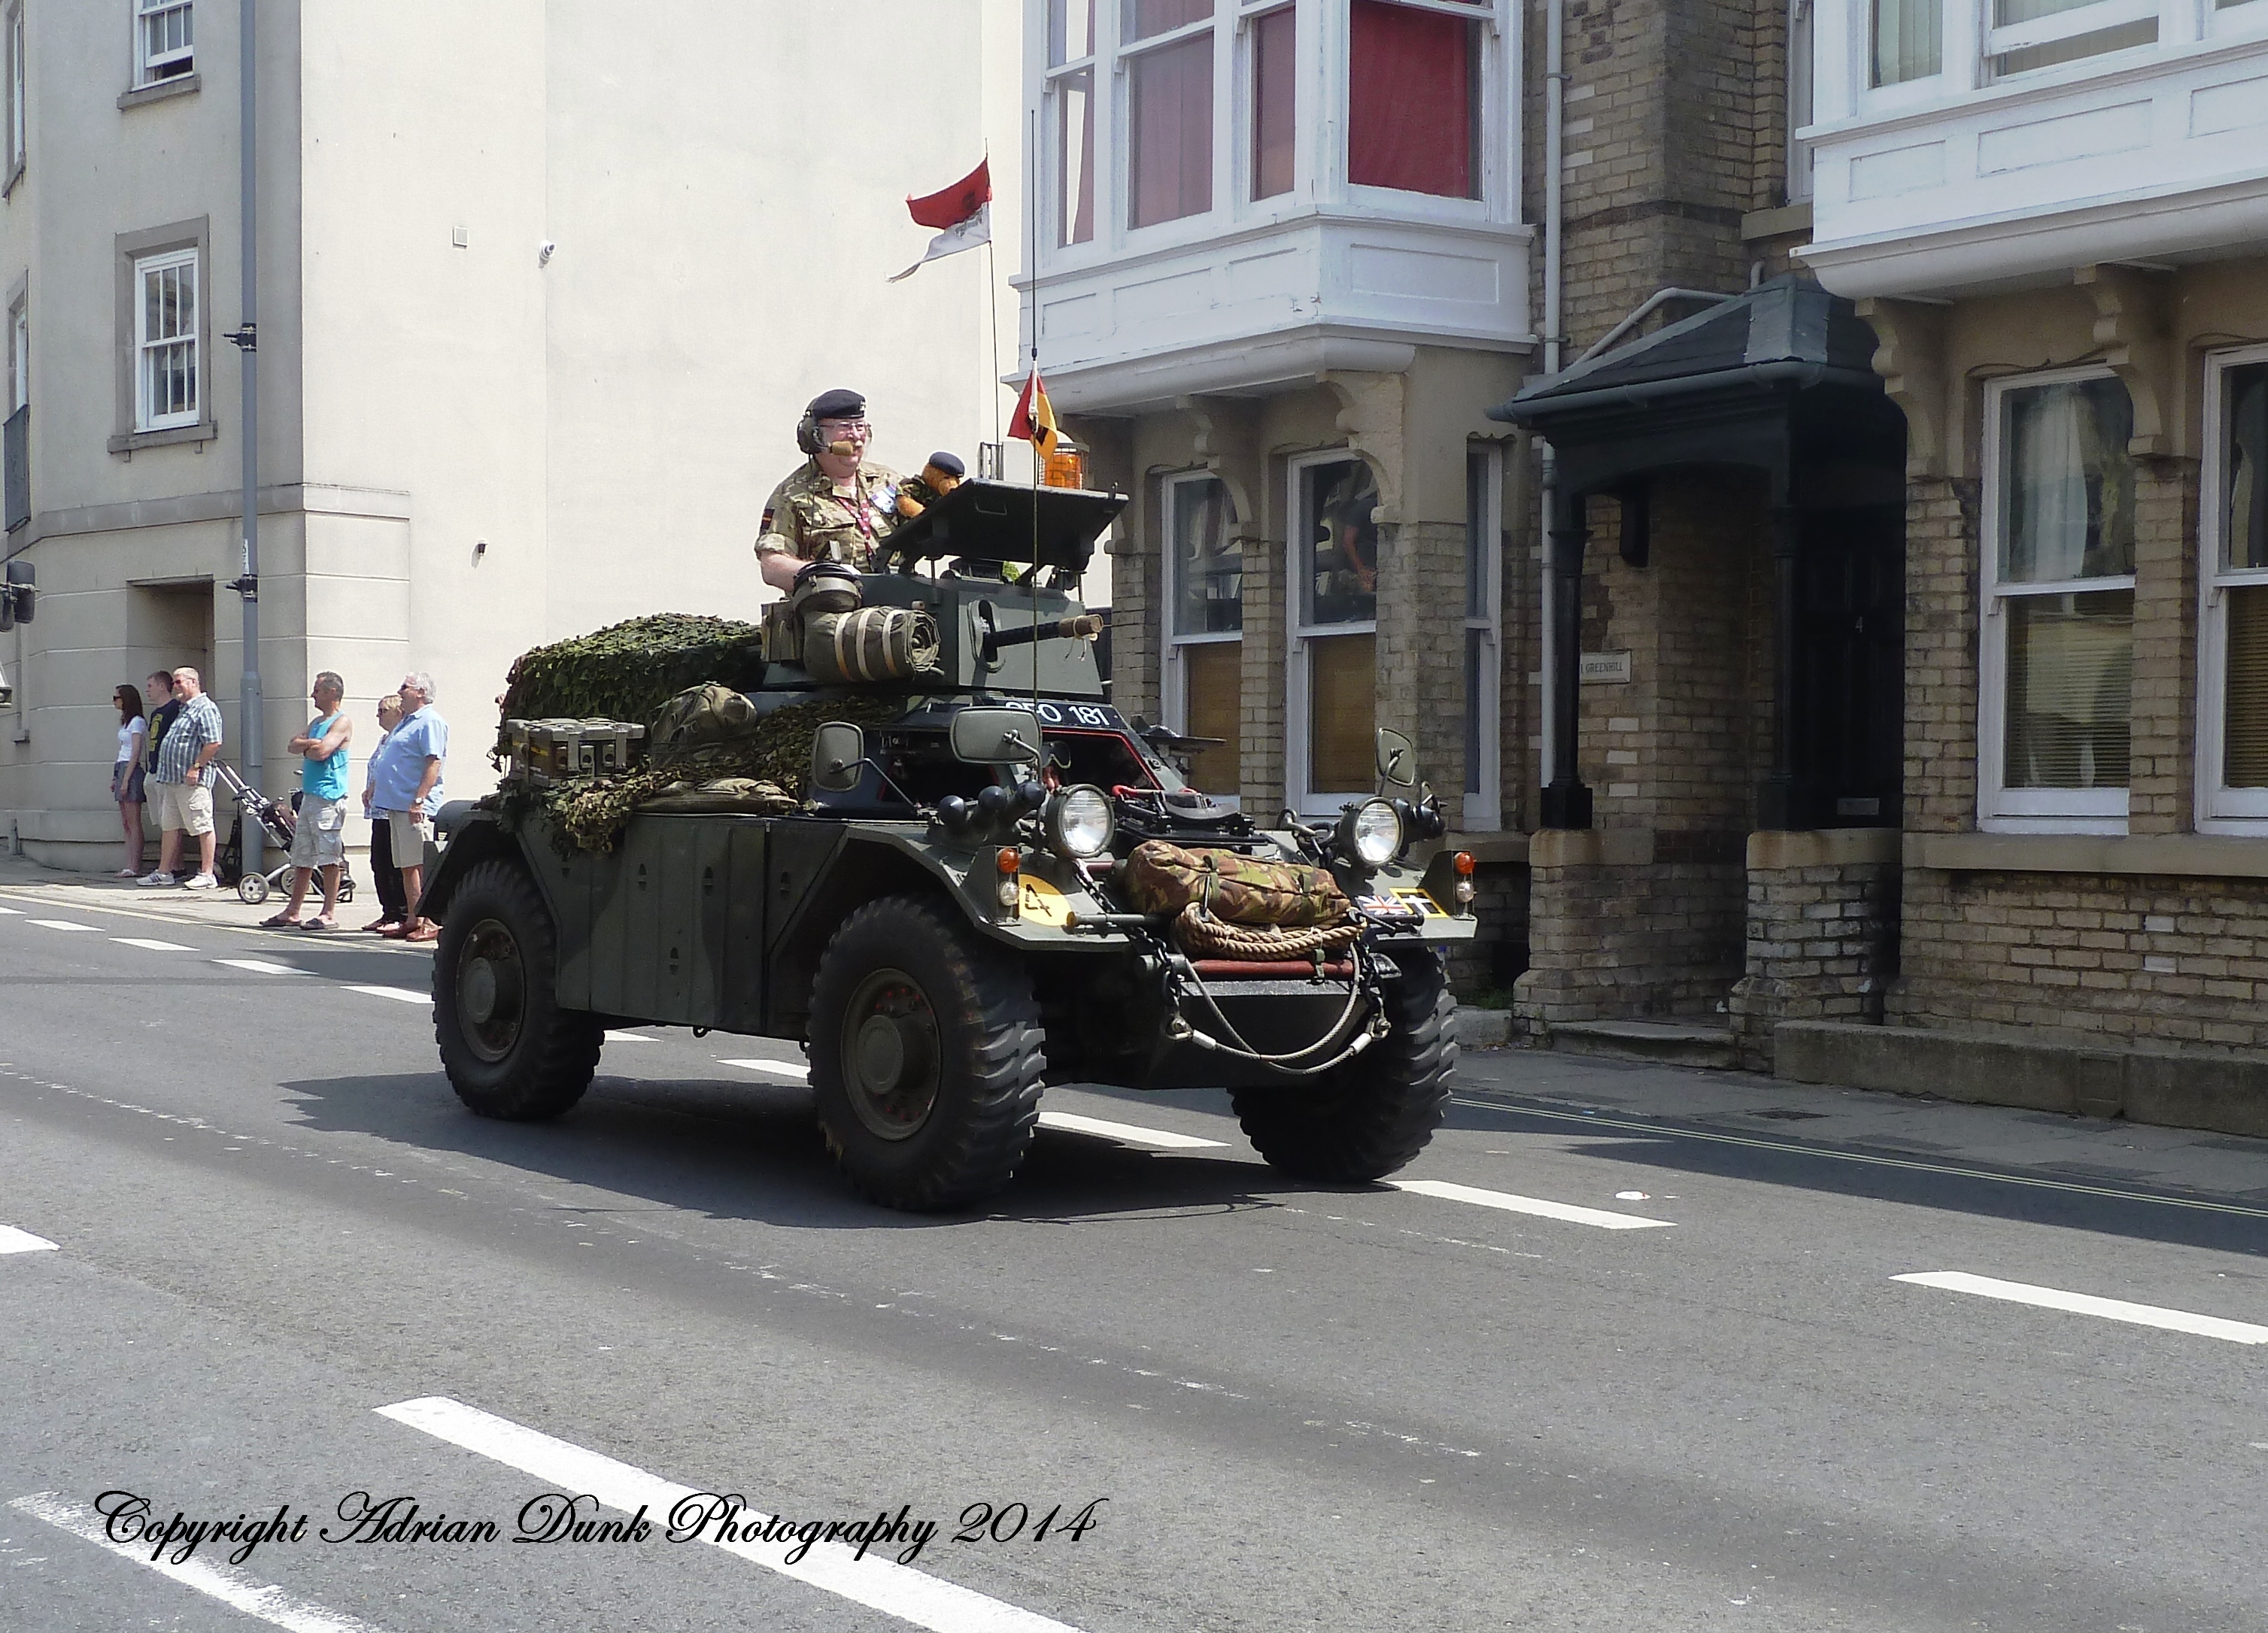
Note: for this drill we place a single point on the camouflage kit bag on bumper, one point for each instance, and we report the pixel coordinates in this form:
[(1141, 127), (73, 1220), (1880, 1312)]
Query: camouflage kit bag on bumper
[(1162, 878)]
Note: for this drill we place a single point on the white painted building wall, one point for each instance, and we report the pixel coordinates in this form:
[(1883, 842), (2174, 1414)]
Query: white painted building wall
[(722, 182)]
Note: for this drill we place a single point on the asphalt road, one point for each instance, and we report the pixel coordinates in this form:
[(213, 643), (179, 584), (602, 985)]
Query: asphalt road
[(1593, 1372)]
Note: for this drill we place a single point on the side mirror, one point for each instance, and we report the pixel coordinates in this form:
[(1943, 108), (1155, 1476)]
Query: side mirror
[(1397, 759), (995, 736), (838, 755)]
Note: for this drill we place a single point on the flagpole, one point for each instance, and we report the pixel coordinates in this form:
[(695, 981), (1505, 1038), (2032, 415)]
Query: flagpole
[(992, 357), (1032, 233)]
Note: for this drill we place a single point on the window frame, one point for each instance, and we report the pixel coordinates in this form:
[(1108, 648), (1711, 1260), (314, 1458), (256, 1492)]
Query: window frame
[(146, 416), (143, 11), (1997, 42), (129, 249), (2002, 809), (14, 41), (1124, 55), (2219, 809), (1172, 679), (1483, 793), (1299, 632), (20, 346)]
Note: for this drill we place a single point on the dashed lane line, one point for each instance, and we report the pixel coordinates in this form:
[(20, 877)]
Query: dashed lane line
[(148, 945), (783, 1069), (1506, 1202), (63, 924), (261, 967), (13, 912), (232, 1587), (627, 1037), (875, 1581), (13, 1240), (2088, 1304), (406, 995), (1163, 1139)]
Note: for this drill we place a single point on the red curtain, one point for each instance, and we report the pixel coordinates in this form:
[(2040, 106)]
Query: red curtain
[(1412, 103), (1275, 100), (1170, 174)]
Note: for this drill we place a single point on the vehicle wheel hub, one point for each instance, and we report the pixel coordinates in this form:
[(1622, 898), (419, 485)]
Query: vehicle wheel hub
[(491, 990), (890, 1054)]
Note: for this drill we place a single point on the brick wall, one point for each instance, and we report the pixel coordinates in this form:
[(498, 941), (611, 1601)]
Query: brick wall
[(2125, 960), (1626, 934), (1421, 651), (2163, 766), (1940, 735), (1822, 934)]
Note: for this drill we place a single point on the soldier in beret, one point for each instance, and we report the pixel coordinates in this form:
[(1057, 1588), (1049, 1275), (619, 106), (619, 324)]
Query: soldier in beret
[(940, 476), (833, 507)]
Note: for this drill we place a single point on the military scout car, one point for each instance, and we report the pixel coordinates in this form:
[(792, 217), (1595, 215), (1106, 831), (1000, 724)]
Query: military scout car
[(998, 880)]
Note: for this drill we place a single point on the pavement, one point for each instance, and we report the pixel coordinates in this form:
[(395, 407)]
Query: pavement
[(1629, 1346)]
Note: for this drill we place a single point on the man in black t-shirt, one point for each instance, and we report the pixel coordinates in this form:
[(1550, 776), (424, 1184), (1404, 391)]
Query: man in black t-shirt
[(164, 706)]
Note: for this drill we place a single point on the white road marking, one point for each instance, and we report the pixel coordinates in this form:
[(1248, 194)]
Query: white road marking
[(879, 1584), (13, 1240), (2088, 1304), (61, 923), (13, 912), (151, 946), (261, 967), (1163, 1139), (772, 1069), (628, 1037), (1542, 1209), (230, 1586), (407, 994)]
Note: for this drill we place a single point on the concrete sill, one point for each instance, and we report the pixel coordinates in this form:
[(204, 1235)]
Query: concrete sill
[(1772, 223), (181, 85), (2178, 856), (1486, 849), (130, 443)]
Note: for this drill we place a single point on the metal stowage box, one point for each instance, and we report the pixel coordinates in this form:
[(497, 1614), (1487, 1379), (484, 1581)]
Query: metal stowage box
[(548, 751)]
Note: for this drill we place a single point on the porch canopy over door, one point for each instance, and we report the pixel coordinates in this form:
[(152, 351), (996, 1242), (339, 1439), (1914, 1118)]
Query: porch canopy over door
[(1779, 381)]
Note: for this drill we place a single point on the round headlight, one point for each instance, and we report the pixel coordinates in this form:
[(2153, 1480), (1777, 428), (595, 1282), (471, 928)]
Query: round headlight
[(1080, 821), (1370, 833)]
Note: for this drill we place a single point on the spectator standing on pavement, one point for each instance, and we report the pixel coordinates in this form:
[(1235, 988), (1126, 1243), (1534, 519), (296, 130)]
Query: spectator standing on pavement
[(185, 806), (126, 775), (319, 837), (164, 707), (406, 791), (385, 877)]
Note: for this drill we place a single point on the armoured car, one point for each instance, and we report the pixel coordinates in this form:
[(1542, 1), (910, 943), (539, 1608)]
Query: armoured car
[(965, 904)]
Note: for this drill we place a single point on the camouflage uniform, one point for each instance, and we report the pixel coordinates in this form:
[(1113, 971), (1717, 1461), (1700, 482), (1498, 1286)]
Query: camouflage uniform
[(805, 518)]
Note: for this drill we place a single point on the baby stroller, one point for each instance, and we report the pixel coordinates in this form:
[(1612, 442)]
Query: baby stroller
[(277, 822)]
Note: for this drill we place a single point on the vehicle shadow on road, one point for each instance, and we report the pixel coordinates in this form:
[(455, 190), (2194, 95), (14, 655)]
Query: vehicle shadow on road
[(2074, 1201), (740, 1151)]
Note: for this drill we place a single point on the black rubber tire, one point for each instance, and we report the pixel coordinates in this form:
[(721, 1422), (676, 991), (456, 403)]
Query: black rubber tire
[(548, 1062), (1363, 1120), (977, 1003)]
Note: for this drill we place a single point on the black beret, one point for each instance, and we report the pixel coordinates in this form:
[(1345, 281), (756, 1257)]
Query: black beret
[(837, 405), (949, 463)]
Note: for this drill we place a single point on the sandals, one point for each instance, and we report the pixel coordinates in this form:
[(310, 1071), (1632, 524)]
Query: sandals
[(383, 926), (427, 931), (319, 923), (281, 921)]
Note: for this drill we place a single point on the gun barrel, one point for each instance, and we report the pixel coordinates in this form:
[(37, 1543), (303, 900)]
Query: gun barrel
[(1084, 627)]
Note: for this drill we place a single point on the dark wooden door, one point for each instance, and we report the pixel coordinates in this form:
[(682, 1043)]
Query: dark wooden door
[(1850, 665)]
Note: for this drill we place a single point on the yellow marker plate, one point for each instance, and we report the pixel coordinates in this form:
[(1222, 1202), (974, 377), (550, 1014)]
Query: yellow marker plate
[(1410, 895), (1039, 902)]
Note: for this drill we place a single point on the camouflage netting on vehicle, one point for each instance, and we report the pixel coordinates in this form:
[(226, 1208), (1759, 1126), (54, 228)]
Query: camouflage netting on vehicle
[(711, 753), (628, 671)]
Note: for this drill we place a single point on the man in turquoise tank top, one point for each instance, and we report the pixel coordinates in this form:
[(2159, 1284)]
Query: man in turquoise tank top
[(319, 840)]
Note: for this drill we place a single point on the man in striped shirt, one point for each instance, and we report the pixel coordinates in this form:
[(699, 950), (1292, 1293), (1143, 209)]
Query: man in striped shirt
[(185, 803)]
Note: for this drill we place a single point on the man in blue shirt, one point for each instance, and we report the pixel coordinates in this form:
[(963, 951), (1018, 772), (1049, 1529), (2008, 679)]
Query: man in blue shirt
[(405, 792), (319, 837)]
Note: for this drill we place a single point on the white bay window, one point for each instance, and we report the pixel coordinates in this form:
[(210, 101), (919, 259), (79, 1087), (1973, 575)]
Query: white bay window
[(1205, 632), (2233, 651), (2057, 649)]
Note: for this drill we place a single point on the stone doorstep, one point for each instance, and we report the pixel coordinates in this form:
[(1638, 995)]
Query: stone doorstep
[(2172, 1088), (1674, 1042)]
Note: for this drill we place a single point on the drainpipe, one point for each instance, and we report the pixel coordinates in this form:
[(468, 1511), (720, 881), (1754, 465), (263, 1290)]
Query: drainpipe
[(250, 715), (1554, 112)]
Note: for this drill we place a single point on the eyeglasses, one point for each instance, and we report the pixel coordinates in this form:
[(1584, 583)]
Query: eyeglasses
[(843, 428)]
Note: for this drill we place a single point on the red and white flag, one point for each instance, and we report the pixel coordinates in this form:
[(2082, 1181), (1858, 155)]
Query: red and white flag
[(961, 213)]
